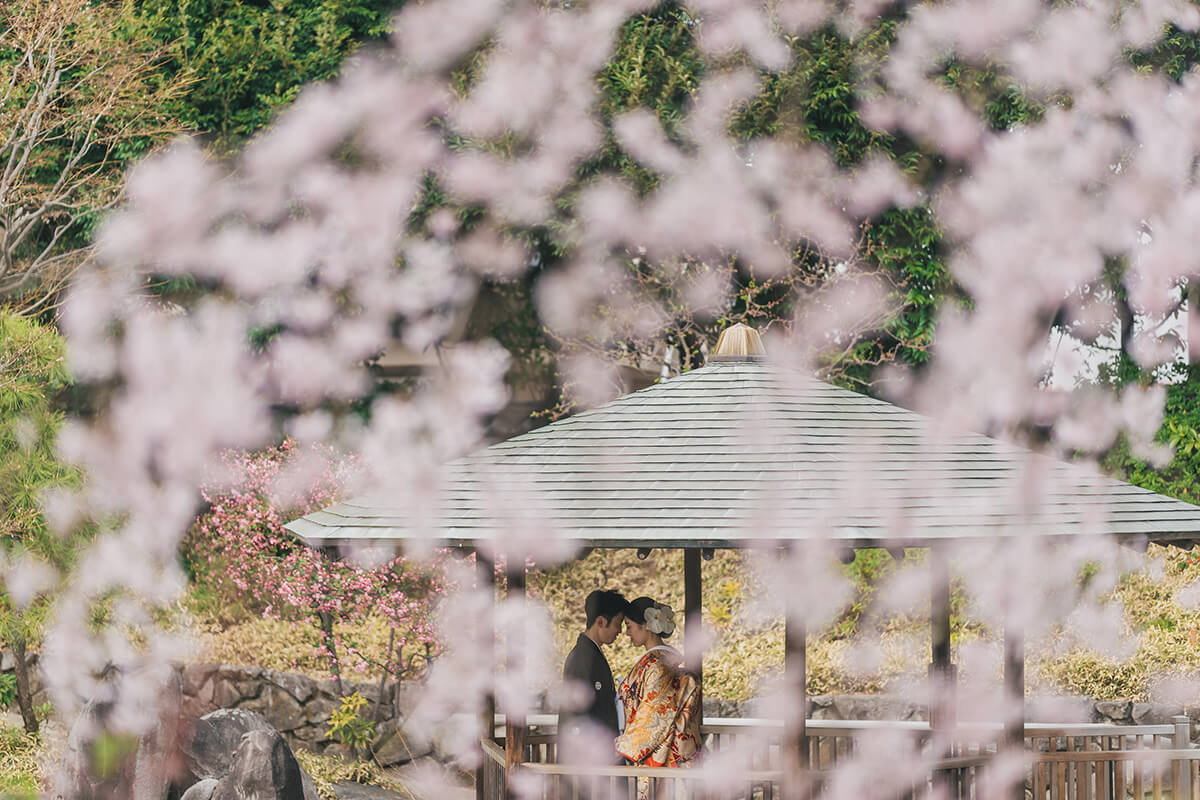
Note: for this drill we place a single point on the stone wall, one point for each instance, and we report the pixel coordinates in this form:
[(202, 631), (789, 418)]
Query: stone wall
[(300, 706), (297, 705)]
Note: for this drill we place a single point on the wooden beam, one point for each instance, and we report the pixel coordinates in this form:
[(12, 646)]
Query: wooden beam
[(795, 675), (514, 727), (485, 581)]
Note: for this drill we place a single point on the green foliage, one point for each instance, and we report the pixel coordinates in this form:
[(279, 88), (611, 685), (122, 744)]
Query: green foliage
[(8, 689), (348, 725), (656, 65), (33, 376), (815, 99), (246, 59), (869, 569), (1180, 430), (109, 752), (1174, 54), (724, 607)]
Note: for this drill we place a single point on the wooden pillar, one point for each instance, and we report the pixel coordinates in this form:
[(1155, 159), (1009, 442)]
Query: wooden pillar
[(942, 678), (942, 701), (1014, 696), (514, 724), (795, 675), (485, 581), (693, 611)]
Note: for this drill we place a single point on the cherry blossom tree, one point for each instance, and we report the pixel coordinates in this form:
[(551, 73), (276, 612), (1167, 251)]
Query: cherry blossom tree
[(309, 232)]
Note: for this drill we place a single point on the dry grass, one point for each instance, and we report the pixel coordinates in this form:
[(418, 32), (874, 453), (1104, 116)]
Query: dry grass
[(21, 756), (328, 770), (291, 646), (746, 655)]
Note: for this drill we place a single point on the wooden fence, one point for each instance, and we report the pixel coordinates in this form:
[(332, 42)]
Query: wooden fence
[(1066, 762)]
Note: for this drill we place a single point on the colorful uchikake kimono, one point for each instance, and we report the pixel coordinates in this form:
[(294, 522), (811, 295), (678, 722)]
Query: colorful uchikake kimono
[(662, 711)]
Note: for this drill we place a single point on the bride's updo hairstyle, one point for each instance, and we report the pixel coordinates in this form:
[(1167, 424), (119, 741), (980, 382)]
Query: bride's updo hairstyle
[(657, 617)]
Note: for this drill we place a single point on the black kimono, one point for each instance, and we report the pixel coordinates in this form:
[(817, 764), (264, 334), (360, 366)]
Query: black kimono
[(587, 666)]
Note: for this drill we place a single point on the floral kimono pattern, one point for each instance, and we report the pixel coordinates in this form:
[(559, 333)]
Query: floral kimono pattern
[(662, 711)]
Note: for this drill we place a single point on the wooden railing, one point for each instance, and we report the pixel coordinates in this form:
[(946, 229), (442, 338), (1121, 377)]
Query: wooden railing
[(1117, 774), (572, 782), (1069, 762), (490, 778)]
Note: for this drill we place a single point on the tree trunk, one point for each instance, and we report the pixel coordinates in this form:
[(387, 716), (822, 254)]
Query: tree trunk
[(24, 689), (383, 678), (334, 665)]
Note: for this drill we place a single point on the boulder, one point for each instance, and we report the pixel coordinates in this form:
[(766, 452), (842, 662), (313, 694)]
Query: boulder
[(394, 749), (310, 788), (217, 743), (873, 707), (281, 709), (722, 708), (1118, 711), (158, 760), (199, 687), (360, 791), (319, 709), (1056, 709), (263, 768), (195, 676), (299, 687), (1155, 713), (226, 693), (201, 790), (150, 763), (241, 673), (216, 736), (821, 707)]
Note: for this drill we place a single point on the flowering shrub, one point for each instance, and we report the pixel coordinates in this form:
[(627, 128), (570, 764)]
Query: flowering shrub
[(239, 551)]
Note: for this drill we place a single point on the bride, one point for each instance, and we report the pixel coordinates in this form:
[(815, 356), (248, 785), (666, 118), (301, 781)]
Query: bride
[(660, 699)]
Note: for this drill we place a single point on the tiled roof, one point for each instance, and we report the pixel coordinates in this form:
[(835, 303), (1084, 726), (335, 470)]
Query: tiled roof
[(741, 452)]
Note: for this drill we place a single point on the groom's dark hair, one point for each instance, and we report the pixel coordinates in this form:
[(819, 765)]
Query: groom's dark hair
[(604, 603)]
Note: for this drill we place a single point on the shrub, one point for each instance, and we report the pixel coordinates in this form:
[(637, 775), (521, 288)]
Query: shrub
[(241, 556)]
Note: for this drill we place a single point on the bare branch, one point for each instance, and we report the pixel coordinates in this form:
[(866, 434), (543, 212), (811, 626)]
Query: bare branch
[(78, 90)]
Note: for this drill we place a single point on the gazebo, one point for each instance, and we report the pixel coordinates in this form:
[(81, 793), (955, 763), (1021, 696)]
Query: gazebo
[(744, 454)]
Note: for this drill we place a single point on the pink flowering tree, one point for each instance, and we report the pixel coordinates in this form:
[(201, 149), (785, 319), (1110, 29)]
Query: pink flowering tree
[(240, 548)]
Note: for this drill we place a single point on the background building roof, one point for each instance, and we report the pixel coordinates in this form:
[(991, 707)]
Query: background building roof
[(741, 452)]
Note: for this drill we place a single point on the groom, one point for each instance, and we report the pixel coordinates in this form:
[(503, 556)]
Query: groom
[(586, 735)]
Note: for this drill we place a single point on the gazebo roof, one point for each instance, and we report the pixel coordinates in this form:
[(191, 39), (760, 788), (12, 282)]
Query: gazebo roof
[(739, 453)]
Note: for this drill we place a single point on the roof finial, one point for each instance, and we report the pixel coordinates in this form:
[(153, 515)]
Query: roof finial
[(739, 342)]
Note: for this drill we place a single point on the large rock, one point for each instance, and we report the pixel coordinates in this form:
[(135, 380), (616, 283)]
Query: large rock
[(1155, 713), (216, 736), (874, 707), (300, 688), (281, 709), (149, 766), (1117, 711), (1060, 709), (394, 748), (263, 768), (217, 742), (201, 790)]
